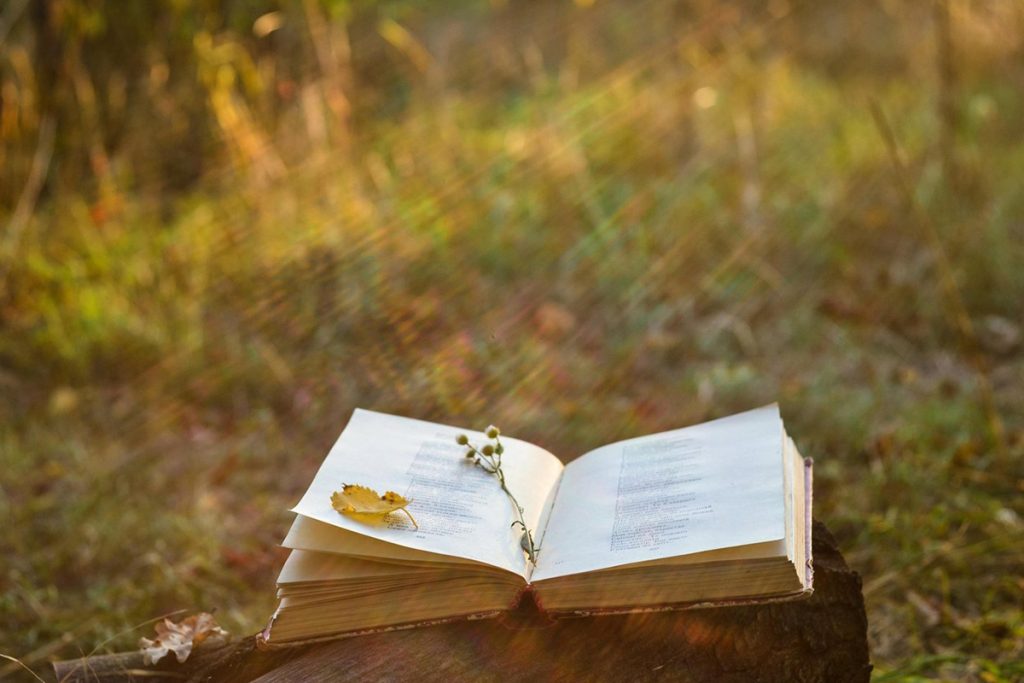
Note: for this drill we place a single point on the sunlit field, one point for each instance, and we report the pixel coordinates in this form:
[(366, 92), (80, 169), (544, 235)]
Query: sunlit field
[(223, 231)]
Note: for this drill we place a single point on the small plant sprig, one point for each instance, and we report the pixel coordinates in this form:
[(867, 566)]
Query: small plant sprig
[(488, 458)]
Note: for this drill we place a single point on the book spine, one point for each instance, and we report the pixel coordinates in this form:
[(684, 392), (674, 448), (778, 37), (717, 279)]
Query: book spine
[(526, 611)]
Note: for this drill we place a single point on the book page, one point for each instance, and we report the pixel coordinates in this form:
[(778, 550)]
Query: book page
[(714, 485), (461, 510), (309, 534)]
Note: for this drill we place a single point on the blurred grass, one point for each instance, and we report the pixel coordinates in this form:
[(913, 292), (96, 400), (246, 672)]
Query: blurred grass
[(582, 222)]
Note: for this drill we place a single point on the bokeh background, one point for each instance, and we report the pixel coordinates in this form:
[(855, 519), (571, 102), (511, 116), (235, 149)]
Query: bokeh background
[(226, 224)]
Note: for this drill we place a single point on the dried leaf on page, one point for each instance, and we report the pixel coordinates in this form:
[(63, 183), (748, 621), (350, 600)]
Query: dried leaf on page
[(362, 500)]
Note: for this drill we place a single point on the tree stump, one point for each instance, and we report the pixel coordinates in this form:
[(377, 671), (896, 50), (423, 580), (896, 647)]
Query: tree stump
[(823, 638)]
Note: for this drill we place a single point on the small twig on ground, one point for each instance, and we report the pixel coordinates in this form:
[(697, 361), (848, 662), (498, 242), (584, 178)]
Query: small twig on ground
[(21, 664)]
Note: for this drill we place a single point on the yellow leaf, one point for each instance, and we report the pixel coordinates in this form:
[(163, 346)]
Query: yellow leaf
[(361, 500)]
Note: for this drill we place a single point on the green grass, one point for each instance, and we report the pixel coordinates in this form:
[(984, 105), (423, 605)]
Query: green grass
[(576, 251)]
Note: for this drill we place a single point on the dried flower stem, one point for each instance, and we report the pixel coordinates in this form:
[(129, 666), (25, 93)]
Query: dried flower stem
[(488, 458)]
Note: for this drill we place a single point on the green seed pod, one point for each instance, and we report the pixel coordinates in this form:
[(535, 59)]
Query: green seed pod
[(487, 450), (470, 453), (492, 432), (462, 439)]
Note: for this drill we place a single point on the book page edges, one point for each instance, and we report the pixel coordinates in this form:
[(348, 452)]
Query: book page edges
[(263, 639), (808, 524), (682, 606)]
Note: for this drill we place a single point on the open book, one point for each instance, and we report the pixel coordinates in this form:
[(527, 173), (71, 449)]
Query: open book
[(717, 513)]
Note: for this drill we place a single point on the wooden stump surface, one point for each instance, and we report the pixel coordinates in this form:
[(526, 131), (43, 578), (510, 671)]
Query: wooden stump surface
[(823, 638)]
